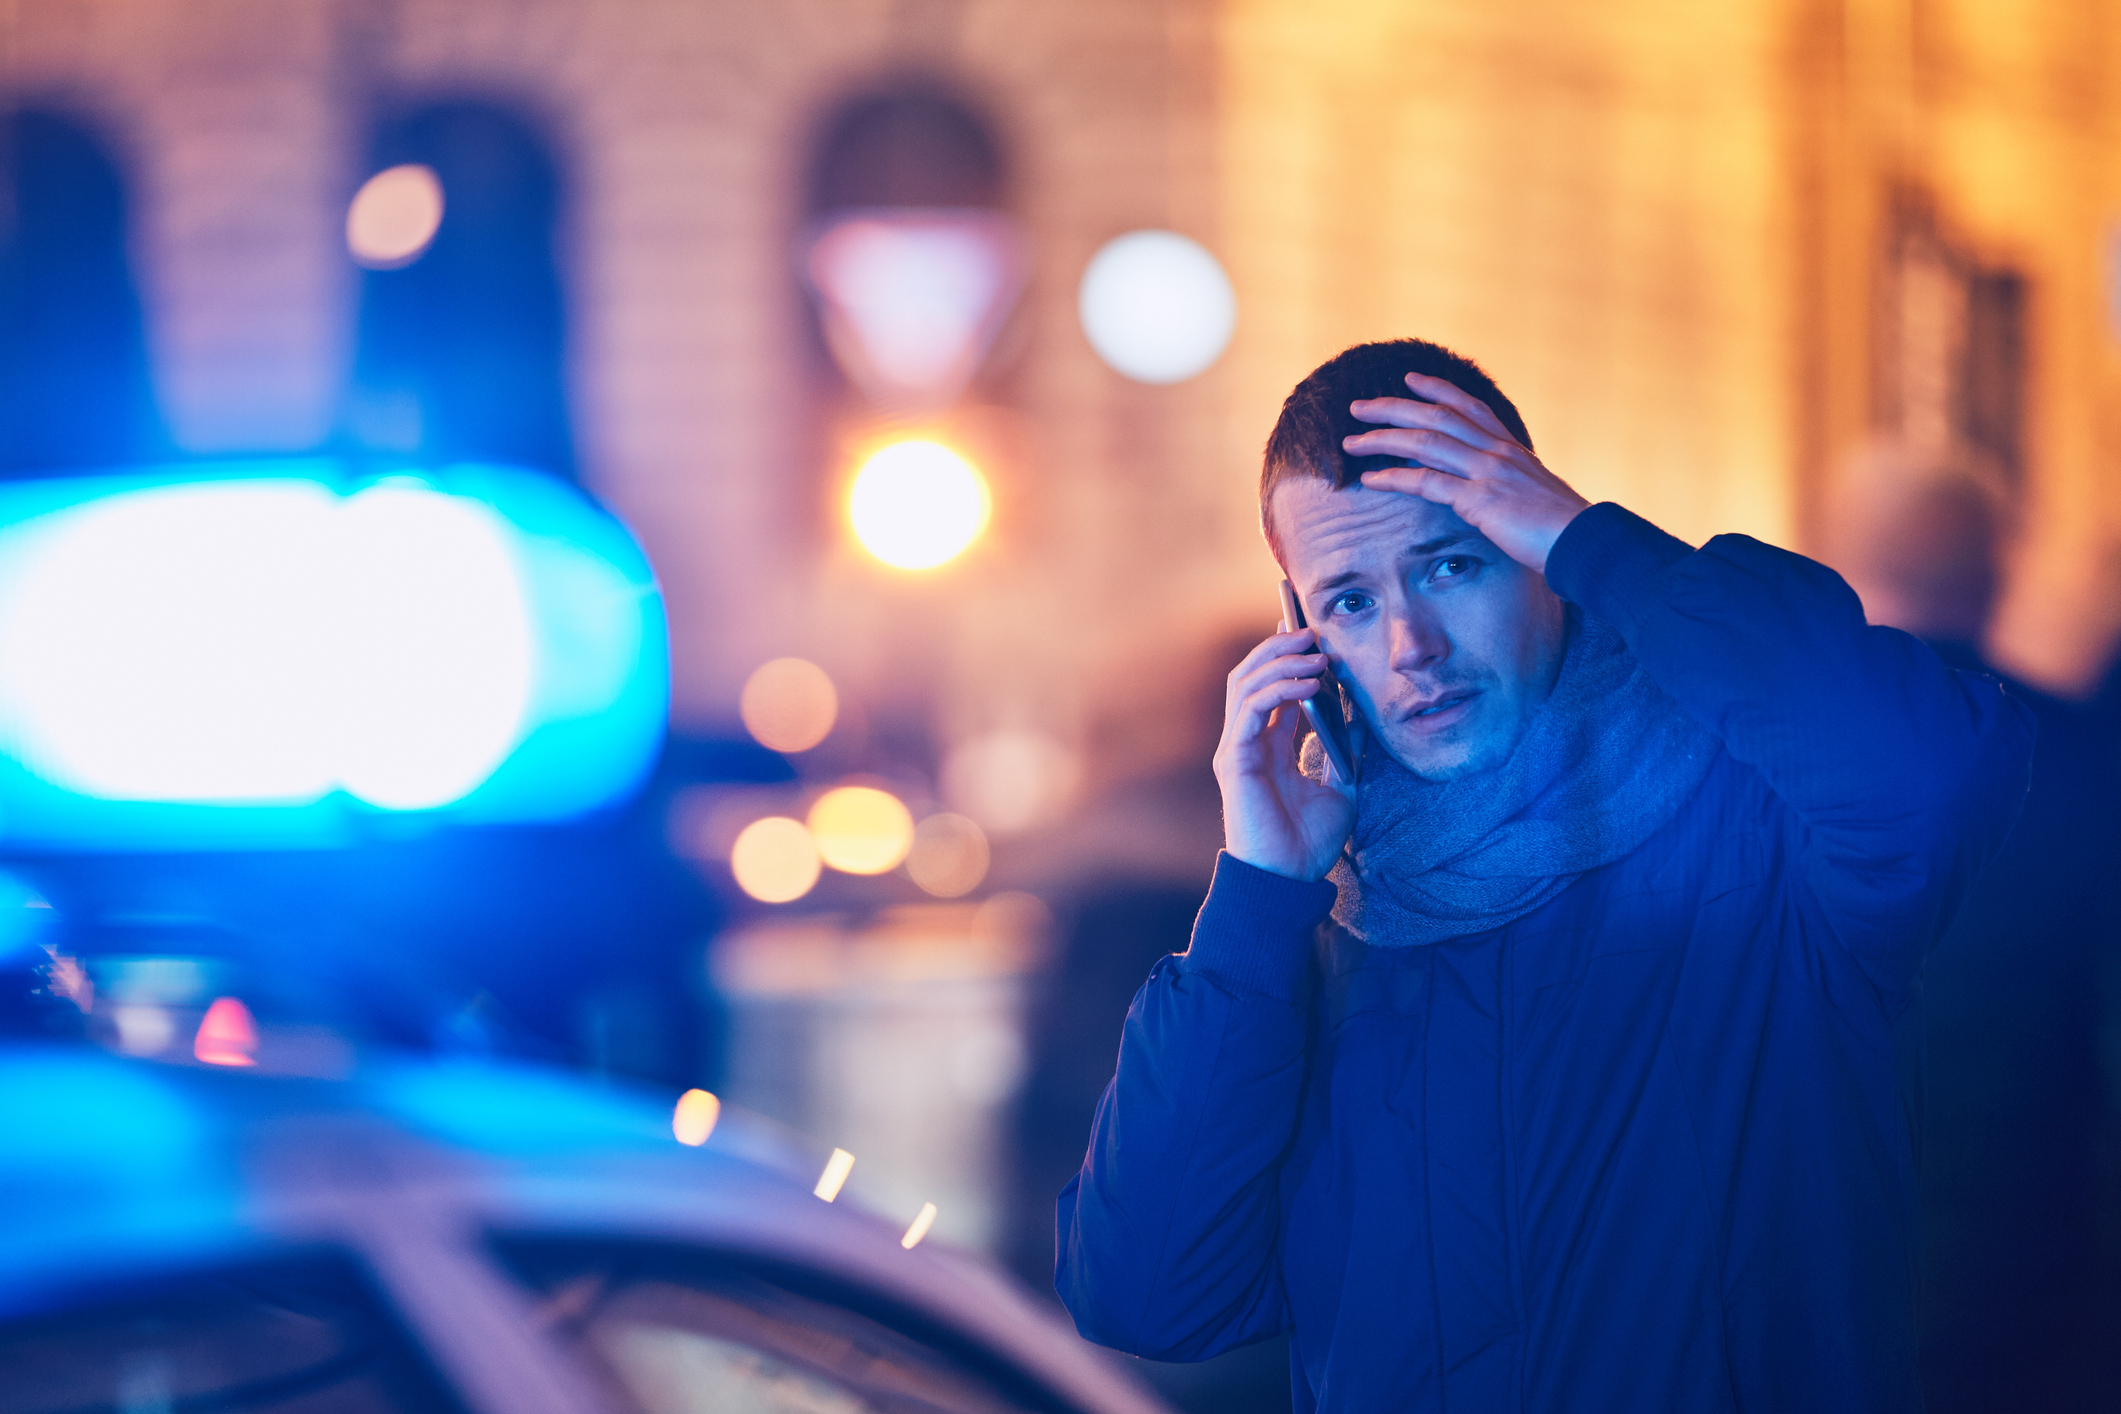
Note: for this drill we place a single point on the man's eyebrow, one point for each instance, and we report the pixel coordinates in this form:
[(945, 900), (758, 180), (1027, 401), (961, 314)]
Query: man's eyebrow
[(1444, 542), (1426, 547)]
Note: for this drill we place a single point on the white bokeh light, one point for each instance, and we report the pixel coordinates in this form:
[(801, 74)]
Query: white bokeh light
[(394, 216), (913, 298), (1012, 779), (917, 504), (1157, 307), (774, 860)]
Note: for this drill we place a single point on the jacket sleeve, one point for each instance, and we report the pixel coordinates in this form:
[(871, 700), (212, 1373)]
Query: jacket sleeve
[(1905, 774), (1168, 1243)]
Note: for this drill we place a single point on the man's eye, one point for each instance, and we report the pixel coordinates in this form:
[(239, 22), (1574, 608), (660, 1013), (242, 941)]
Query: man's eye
[(1349, 603), (1452, 566)]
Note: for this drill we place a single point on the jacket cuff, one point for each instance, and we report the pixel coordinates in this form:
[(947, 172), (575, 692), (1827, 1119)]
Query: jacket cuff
[(1606, 560), (1253, 936)]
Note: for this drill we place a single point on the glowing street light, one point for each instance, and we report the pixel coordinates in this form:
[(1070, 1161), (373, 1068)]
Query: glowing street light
[(789, 704), (949, 856), (912, 298), (1157, 307), (917, 504), (694, 1118), (774, 860), (861, 830), (394, 216)]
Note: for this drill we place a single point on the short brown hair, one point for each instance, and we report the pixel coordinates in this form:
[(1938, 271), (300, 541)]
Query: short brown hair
[(1307, 436)]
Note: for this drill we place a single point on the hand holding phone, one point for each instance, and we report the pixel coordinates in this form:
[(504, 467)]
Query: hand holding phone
[(1326, 710), (1274, 816)]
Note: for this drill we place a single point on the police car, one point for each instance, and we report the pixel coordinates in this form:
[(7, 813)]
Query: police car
[(426, 1234)]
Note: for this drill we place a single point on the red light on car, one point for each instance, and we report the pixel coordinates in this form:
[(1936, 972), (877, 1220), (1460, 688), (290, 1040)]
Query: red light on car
[(227, 1035)]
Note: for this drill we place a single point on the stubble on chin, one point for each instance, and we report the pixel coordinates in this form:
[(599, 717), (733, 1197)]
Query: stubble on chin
[(1459, 756), (1435, 762)]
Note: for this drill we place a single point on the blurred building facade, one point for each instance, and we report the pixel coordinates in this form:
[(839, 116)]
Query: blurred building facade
[(1680, 236), (1729, 260)]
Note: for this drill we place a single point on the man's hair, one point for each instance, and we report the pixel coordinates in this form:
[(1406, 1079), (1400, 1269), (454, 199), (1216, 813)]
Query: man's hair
[(1307, 436)]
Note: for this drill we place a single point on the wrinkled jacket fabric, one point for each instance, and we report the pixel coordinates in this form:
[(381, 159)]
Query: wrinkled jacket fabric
[(1643, 1149)]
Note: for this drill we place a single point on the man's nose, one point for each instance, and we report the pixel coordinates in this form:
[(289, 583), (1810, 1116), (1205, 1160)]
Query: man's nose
[(1418, 640)]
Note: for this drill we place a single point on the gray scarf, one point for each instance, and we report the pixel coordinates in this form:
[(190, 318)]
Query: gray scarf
[(1605, 761)]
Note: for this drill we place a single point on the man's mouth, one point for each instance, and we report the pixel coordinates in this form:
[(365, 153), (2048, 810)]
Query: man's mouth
[(1440, 711)]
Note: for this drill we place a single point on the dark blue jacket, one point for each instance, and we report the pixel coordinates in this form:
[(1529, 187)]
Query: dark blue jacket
[(1643, 1149)]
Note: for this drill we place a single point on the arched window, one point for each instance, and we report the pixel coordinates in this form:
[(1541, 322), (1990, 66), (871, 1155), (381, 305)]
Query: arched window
[(461, 349), (907, 243), (908, 144), (74, 388)]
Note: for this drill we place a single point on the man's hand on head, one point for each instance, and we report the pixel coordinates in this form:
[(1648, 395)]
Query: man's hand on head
[(1469, 462)]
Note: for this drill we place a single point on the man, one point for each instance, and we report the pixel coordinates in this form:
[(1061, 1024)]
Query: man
[(1584, 1096)]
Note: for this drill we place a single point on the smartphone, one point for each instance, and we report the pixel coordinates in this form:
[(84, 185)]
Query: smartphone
[(1326, 709)]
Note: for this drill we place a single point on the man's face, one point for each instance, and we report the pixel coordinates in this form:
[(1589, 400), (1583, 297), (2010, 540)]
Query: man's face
[(1447, 645)]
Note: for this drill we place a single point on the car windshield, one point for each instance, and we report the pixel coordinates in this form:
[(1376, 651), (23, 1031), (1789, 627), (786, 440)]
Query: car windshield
[(308, 1336), (683, 1333)]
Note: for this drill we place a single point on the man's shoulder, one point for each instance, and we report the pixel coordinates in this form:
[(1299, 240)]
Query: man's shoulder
[(1733, 834)]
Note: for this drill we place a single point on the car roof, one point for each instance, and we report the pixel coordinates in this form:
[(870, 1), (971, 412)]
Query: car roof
[(116, 1170)]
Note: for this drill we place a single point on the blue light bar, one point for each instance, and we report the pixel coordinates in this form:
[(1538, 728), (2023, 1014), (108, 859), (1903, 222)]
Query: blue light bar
[(268, 653)]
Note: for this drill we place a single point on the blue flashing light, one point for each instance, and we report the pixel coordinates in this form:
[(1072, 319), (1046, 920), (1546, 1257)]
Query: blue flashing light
[(105, 1167), (260, 654), (509, 1110)]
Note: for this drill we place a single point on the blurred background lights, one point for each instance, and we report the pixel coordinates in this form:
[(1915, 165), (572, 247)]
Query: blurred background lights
[(912, 299), (861, 830), (834, 1177), (25, 914), (227, 1035), (1012, 779), (1157, 307), (142, 1029), (695, 1116), (435, 669), (917, 504), (774, 860), (918, 1228), (394, 216), (265, 641), (949, 855), (482, 639), (788, 704)]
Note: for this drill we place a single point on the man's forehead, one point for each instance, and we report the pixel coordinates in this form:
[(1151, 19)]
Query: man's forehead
[(1324, 531)]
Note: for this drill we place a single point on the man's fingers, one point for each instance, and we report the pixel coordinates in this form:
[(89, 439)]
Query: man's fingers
[(1436, 450), (1288, 665), (1277, 646), (1254, 712), (1431, 485), (1406, 412), (1274, 646), (1303, 668), (1443, 390)]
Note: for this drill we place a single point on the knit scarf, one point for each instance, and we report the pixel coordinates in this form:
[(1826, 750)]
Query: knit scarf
[(1605, 761)]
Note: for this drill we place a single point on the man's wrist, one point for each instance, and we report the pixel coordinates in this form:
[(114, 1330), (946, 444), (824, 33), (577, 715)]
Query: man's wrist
[(1560, 526), (1606, 556), (1253, 933), (1265, 863)]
